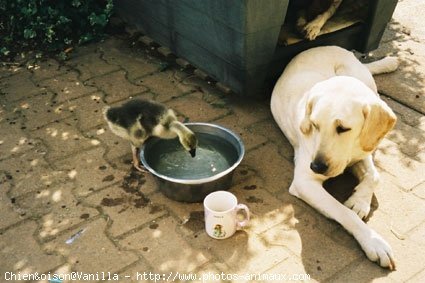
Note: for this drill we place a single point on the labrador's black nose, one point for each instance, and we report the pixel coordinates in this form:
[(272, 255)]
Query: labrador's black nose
[(318, 166)]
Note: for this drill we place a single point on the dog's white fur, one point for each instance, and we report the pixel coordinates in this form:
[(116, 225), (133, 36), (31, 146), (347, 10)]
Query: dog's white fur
[(323, 91)]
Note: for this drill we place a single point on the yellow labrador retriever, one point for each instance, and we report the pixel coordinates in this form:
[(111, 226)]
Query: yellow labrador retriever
[(327, 105)]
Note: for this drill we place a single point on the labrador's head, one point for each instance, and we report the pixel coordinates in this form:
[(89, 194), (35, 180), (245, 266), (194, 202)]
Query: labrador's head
[(345, 121)]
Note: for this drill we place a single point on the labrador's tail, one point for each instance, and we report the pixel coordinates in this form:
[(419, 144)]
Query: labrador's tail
[(384, 65)]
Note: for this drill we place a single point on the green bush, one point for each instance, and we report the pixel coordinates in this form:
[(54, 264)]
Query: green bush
[(50, 25)]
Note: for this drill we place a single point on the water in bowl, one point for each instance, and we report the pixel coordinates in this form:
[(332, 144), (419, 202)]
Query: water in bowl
[(213, 155)]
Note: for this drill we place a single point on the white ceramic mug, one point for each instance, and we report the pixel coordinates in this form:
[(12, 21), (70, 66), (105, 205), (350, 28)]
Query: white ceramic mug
[(221, 220)]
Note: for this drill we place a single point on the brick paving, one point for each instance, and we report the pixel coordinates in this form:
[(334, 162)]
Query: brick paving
[(62, 173)]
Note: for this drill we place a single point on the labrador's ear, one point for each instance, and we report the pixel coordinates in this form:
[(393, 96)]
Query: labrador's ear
[(306, 125), (379, 120)]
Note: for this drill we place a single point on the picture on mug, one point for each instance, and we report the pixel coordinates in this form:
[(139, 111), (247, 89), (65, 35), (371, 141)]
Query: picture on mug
[(218, 231)]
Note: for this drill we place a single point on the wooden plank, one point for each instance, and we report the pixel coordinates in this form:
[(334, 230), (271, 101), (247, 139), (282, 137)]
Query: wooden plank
[(165, 51), (183, 63)]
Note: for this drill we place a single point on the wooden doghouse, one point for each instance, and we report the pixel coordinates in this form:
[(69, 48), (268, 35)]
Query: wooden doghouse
[(239, 42)]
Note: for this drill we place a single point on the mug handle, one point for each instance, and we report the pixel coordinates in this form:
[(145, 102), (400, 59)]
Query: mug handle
[(241, 224)]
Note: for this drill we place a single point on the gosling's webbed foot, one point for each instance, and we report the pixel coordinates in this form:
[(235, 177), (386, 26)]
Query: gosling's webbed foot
[(140, 168), (136, 162)]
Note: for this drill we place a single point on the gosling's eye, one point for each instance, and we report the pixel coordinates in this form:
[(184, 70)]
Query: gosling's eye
[(315, 126), (341, 129)]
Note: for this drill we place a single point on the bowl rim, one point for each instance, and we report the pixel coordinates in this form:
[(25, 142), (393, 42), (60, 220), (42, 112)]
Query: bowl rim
[(202, 180)]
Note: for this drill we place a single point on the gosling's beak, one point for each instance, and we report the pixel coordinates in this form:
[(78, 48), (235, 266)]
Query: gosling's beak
[(192, 152)]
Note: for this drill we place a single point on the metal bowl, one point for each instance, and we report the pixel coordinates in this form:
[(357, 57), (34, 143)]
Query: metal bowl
[(190, 180)]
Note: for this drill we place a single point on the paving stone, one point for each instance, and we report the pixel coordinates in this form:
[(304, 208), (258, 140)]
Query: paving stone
[(181, 210), (269, 129), (6, 71), (40, 111), (18, 86), (243, 252), (116, 146), (363, 271), (272, 167), (408, 172), (126, 206), (15, 109), (291, 269), (89, 171), (124, 163), (408, 14), (63, 139), (190, 216), (197, 84), (304, 241), (9, 212), (418, 234), (164, 249), (400, 205), (217, 100), (4, 114), (116, 86), (420, 277), (409, 260), (309, 217), (81, 51), (249, 111), (212, 272), (165, 85), (47, 69), (67, 87), (196, 109), (266, 210), (92, 251), (91, 65), (135, 63), (250, 138), (410, 88), (421, 123), (55, 207), (244, 172), (30, 172), (15, 142), (135, 273), (419, 190), (88, 110), (393, 33), (24, 255), (410, 139), (180, 74)]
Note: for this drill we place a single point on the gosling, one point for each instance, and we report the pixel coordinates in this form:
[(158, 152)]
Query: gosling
[(137, 120)]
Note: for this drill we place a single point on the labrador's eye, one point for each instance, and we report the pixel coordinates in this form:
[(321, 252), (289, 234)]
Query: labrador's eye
[(341, 129), (315, 126)]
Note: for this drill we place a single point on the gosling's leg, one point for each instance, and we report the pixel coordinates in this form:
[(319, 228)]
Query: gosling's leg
[(136, 161)]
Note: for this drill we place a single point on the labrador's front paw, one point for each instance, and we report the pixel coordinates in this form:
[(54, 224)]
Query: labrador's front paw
[(360, 204), (377, 249)]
